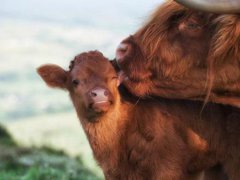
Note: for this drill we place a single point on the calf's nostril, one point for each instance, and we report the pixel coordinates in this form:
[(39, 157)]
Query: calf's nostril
[(106, 93), (93, 94)]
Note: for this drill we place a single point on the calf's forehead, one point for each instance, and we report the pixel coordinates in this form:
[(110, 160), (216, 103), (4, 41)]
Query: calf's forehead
[(87, 68)]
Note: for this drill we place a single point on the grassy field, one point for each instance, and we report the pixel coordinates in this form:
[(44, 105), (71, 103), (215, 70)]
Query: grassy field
[(62, 134)]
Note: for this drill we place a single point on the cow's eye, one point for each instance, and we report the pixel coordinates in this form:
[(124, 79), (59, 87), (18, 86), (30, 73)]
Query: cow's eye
[(193, 26), (75, 82)]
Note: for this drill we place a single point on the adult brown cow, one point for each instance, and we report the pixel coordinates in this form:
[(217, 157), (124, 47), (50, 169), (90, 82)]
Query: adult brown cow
[(185, 54)]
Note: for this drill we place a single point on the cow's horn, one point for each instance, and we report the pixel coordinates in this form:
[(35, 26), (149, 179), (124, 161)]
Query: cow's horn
[(215, 6)]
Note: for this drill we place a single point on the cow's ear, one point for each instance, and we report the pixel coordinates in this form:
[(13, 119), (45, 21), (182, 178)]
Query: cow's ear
[(53, 75)]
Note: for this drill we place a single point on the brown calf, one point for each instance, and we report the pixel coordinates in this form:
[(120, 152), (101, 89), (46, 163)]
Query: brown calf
[(146, 139)]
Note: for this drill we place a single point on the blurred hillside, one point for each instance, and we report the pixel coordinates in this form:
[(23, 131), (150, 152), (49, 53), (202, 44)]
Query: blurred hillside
[(38, 163), (57, 131)]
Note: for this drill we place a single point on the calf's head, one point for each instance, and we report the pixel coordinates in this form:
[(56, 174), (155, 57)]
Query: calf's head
[(91, 81)]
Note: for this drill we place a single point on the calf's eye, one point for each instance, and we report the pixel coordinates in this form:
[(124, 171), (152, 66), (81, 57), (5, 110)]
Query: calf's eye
[(75, 82)]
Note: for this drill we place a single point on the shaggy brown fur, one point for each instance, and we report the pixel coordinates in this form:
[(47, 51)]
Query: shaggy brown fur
[(147, 139), (184, 54)]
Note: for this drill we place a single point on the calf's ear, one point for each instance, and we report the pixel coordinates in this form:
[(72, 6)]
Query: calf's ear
[(53, 75)]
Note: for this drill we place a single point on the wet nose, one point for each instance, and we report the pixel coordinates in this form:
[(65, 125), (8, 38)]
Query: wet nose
[(99, 95), (122, 51)]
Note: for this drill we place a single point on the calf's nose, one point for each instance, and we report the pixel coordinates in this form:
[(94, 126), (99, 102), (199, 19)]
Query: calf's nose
[(99, 95)]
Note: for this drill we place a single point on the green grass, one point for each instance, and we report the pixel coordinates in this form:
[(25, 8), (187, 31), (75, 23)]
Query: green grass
[(40, 165), (60, 131), (19, 163), (5, 137)]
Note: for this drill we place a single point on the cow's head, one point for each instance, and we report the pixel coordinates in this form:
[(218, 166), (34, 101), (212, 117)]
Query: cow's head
[(181, 53)]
